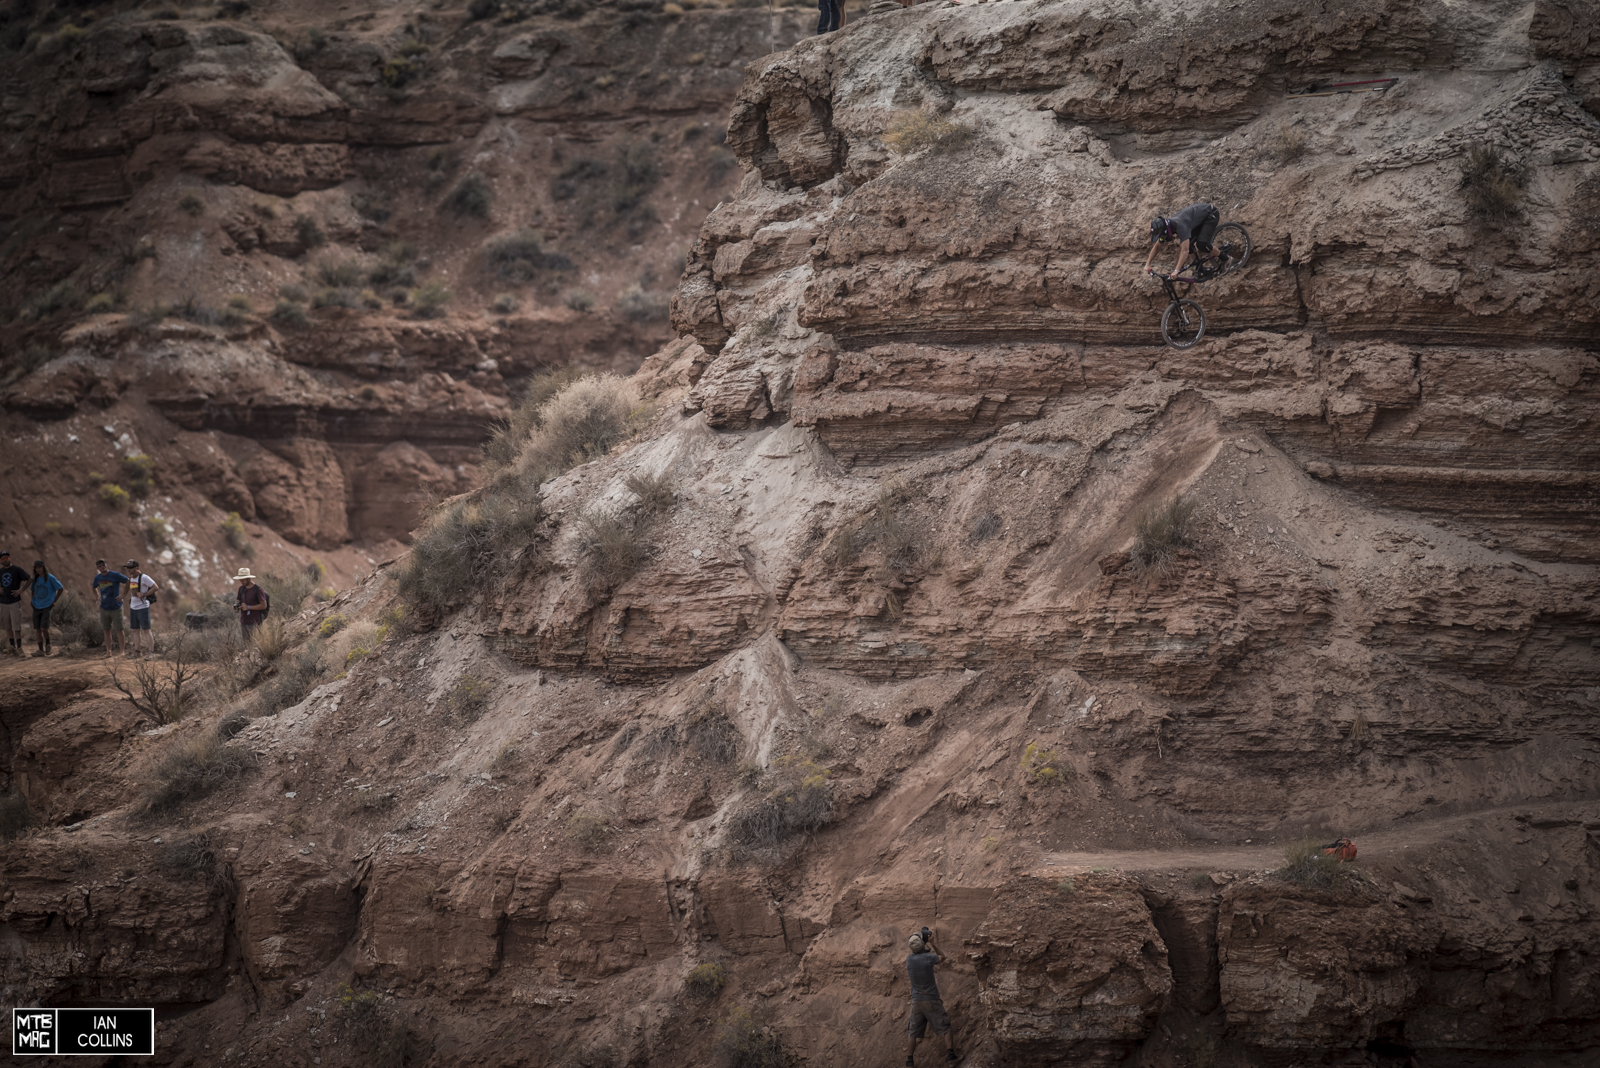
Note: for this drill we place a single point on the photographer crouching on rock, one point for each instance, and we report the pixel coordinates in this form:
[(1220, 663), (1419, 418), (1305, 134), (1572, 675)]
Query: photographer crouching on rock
[(926, 1005)]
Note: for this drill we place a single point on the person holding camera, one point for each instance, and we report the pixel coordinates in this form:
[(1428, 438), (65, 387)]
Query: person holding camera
[(142, 590), (926, 1005)]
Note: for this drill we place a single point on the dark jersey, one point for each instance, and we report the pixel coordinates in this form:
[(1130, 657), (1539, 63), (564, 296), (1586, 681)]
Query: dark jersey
[(1189, 219), (13, 580)]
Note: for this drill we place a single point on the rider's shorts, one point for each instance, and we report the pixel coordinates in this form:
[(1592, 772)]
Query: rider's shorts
[(1207, 230)]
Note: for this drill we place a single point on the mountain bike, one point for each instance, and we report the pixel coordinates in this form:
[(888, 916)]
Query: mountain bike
[(1184, 322)]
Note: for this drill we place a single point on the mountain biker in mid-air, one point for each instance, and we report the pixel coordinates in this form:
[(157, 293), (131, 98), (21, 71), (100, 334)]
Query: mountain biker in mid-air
[(1193, 227)]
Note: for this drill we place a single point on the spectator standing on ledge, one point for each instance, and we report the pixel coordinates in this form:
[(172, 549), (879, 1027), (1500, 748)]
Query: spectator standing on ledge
[(832, 15), (108, 584), (252, 604), (13, 580), (141, 591), (46, 589)]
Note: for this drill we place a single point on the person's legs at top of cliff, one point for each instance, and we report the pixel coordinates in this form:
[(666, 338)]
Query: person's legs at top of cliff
[(830, 15)]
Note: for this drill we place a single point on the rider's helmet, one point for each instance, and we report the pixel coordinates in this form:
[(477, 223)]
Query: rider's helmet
[(1161, 229)]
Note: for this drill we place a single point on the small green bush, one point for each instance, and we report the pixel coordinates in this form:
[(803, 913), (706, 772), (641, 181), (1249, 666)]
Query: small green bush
[(339, 273), (332, 624), (578, 300), (114, 495), (912, 131), (638, 306), (428, 301), (140, 471), (582, 422), (744, 1040), (297, 675), (191, 204), (401, 71), (654, 492), (467, 546), (471, 196), (801, 801), (395, 265), (1288, 143), (503, 304), (333, 297), (706, 980), (1161, 532), (521, 257), (613, 547), (233, 529), (288, 313), (62, 296), (1305, 864), (1039, 766), (159, 531)]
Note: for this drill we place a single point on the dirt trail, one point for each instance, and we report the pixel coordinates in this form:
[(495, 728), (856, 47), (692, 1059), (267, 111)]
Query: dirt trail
[(1376, 847)]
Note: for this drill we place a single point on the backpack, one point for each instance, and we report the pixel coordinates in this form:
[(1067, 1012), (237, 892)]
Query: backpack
[(1344, 849)]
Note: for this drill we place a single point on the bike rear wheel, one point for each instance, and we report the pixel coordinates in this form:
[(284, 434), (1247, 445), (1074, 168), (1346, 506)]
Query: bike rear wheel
[(1232, 242), (1184, 323)]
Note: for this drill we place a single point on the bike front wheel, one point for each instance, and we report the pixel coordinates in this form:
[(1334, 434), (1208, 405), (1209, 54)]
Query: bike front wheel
[(1232, 243), (1184, 324)]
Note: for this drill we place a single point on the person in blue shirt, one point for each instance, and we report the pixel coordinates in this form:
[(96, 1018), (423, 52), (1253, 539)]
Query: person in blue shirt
[(109, 584), (13, 580), (46, 589)]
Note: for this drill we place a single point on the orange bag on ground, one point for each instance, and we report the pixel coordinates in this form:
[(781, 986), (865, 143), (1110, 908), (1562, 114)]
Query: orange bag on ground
[(1344, 849)]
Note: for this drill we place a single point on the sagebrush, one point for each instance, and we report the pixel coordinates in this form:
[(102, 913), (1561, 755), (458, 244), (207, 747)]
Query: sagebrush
[(1160, 532), (912, 131)]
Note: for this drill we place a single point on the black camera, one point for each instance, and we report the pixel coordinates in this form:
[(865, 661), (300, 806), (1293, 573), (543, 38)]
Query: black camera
[(927, 936)]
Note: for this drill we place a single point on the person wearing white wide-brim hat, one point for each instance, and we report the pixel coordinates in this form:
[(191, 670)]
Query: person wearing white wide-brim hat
[(252, 602)]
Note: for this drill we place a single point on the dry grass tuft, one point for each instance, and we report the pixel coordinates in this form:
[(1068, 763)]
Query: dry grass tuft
[(1288, 143), (1162, 531), (912, 131), (799, 802), (745, 1040), (192, 768), (589, 829), (706, 980)]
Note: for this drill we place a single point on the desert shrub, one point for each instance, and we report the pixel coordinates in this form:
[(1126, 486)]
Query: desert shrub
[(394, 266), (656, 744), (613, 547), (62, 296), (801, 801), (989, 843), (191, 204), (332, 624), (139, 469), (462, 549), (1305, 864), (270, 638), (745, 1041), (900, 537), (191, 768), (374, 206), (294, 291), (1492, 185), (706, 980), (15, 815), (984, 527), (102, 302), (365, 1020), (309, 231), (162, 689), (577, 176), (74, 623), (470, 197), (467, 699), (230, 725), (912, 131), (114, 495), (428, 301), (336, 298), (578, 300), (189, 856), (589, 829), (402, 70), (237, 311), (288, 313), (238, 537), (159, 531), (654, 492), (503, 304), (521, 257), (193, 310), (638, 306), (710, 733), (1160, 533), (581, 422), (339, 273), (297, 675), (1288, 143), (1039, 766), (1360, 727), (131, 250)]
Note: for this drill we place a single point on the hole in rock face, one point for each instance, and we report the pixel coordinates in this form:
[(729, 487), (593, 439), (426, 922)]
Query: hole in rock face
[(1389, 1040), (916, 716)]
